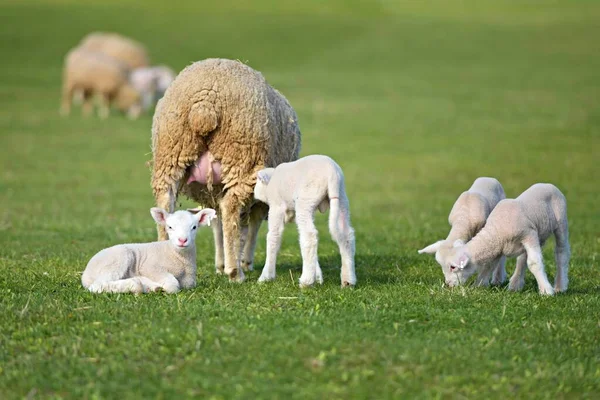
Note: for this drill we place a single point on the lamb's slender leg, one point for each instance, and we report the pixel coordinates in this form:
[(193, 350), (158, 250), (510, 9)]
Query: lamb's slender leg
[(165, 280), (149, 285), (217, 228), (483, 277), (276, 224), (129, 285), (517, 281), (535, 263), (499, 275), (343, 234), (257, 215), (231, 206), (309, 241), (562, 255)]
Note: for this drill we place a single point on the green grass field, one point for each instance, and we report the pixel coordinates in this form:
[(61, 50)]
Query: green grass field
[(413, 100)]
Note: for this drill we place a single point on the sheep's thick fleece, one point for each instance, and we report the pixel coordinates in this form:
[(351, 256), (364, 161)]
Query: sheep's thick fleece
[(520, 227), (129, 51), (227, 110)]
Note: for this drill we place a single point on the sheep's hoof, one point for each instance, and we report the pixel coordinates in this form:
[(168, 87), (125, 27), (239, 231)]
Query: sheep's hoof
[(247, 265), (347, 284), (236, 276)]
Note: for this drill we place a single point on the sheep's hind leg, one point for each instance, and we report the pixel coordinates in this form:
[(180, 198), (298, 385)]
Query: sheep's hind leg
[(230, 211), (257, 215), (343, 234), (562, 255), (517, 280), (535, 263), (309, 241)]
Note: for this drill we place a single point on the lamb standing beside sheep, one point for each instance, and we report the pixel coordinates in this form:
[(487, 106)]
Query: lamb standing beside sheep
[(467, 217), (146, 267), (295, 190), (519, 228), (151, 83), (94, 73), (218, 124)]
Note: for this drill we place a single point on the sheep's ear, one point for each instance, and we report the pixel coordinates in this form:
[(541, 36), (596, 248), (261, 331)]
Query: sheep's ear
[(159, 215), (458, 243), (264, 175), (462, 261), (204, 215), (432, 248)]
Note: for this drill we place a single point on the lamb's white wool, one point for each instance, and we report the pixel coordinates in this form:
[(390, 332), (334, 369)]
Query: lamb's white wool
[(467, 217), (151, 82), (295, 190), (519, 228), (145, 267)]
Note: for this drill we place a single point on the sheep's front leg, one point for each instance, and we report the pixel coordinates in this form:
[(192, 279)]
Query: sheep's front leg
[(167, 281), (535, 263), (276, 223), (309, 241), (217, 228), (517, 280), (257, 215), (67, 99), (230, 211)]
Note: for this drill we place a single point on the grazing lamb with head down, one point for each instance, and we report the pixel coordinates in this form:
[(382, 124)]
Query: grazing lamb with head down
[(168, 265), (217, 125), (467, 217), (519, 228), (295, 190), (152, 83), (94, 73)]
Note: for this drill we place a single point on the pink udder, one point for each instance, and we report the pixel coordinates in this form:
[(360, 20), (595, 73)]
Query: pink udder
[(201, 168)]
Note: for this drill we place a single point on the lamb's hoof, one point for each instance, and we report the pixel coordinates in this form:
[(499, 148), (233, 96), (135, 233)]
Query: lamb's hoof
[(319, 277), (547, 291), (95, 288), (220, 269), (346, 284), (266, 278), (306, 282), (247, 265)]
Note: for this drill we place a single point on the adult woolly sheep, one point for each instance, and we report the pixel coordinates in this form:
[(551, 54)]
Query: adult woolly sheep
[(131, 52), (94, 73), (217, 125)]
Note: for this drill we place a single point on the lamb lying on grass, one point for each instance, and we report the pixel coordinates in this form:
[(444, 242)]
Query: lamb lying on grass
[(295, 190), (519, 228), (467, 217), (146, 267)]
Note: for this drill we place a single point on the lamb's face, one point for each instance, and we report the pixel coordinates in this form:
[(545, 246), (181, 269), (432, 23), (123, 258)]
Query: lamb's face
[(182, 226), (456, 265)]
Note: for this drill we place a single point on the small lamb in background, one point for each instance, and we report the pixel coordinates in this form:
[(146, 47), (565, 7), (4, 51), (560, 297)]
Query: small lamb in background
[(295, 190), (146, 267), (467, 217), (519, 228), (152, 83)]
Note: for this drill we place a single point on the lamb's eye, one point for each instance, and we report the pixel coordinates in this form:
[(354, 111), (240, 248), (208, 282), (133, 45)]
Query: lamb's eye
[(168, 227), (193, 227)]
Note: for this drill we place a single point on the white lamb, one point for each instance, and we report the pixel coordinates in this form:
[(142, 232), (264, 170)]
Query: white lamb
[(152, 83), (146, 267), (295, 190), (467, 217), (519, 228)]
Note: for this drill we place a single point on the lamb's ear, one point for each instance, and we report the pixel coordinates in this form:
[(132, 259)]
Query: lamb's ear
[(204, 215), (461, 261), (264, 175), (432, 248), (159, 215), (458, 243)]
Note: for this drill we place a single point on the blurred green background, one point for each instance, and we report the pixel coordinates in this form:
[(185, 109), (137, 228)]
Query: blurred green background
[(413, 99)]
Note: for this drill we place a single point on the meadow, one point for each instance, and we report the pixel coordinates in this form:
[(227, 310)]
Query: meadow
[(413, 99)]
